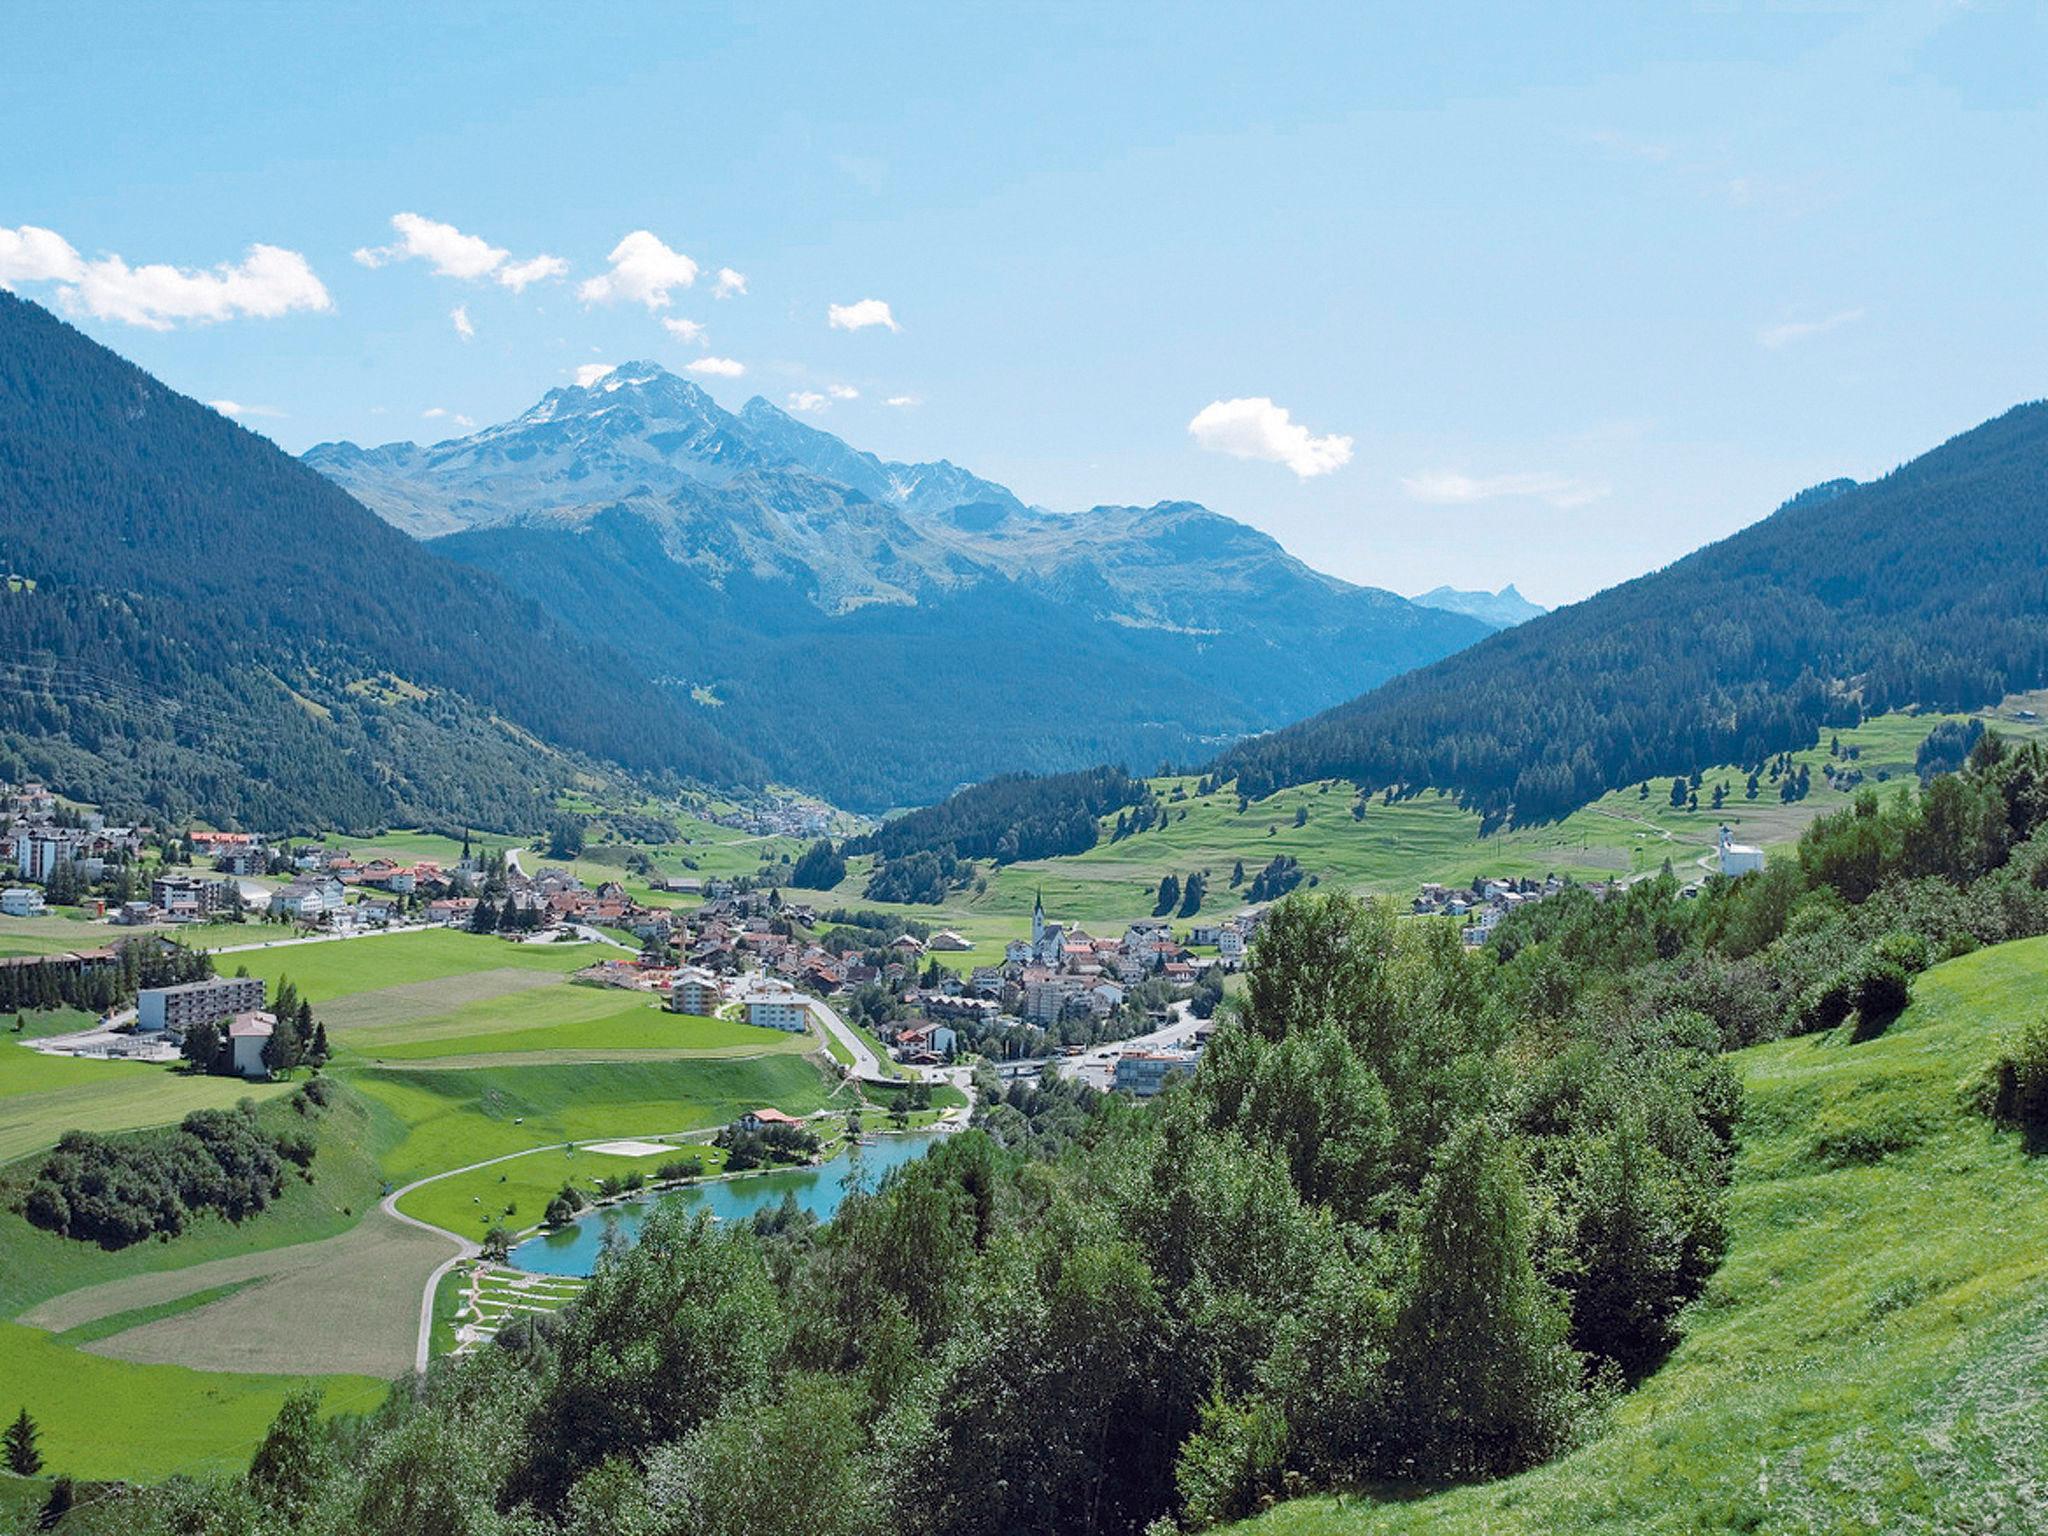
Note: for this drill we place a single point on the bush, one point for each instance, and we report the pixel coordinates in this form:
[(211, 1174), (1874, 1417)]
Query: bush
[(1882, 991), (2019, 1085), (1908, 951)]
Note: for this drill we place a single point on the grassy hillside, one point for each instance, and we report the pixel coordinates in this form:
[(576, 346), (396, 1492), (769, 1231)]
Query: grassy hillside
[(1393, 849), (1869, 1357)]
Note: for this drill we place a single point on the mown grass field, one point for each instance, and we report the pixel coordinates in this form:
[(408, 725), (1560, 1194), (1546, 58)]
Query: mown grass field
[(42, 1097), (329, 969), (453, 1118), (1870, 1357), (564, 1018)]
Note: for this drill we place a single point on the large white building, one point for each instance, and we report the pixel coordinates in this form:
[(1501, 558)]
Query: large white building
[(695, 991), (21, 901), (777, 1008), (1739, 858), (197, 1002)]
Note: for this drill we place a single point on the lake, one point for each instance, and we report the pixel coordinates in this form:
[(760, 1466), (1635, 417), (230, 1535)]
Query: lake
[(573, 1249)]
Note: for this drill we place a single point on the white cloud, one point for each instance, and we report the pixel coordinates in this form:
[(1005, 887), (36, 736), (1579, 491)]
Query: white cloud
[(1256, 428), (460, 315), (463, 421), (236, 408), (716, 368), (842, 391), (900, 401), (589, 373), (730, 284), (643, 271), (806, 400), (1447, 487), (33, 255), (519, 275), (683, 330), (1790, 331), (859, 316), (451, 253), (434, 413), (269, 281)]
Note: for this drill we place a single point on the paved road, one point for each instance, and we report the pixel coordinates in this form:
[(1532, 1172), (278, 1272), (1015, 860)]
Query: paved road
[(867, 1066)]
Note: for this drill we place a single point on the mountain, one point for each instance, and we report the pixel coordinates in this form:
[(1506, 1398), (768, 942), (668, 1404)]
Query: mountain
[(1501, 610), (882, 632), (196, 623), (1927, 587)]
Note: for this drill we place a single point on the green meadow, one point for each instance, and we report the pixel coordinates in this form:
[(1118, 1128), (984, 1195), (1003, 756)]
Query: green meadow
[(1868, 1357), (569, 1019), (326, 969)]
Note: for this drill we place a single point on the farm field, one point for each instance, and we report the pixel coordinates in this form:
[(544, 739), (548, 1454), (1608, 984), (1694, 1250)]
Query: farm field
[(1868, 1356)]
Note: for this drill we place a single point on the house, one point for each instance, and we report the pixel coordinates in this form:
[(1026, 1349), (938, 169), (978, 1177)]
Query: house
[(907, 944), (761, 1119), (185, 898), (933, 1039), (21, 901), (248, 1035), (695, 991), (197, 1002), (1230, 947), (947, 939), (1739, 859)]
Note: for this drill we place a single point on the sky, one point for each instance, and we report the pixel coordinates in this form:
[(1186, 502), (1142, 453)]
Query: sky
[(1433, 294)]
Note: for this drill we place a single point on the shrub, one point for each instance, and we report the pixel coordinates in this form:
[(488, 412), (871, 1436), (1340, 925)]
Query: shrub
[(1906, 950), (1882, 991), (2019, 1085)]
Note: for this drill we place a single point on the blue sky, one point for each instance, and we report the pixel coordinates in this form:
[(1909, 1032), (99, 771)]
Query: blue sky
[(1432, 293)]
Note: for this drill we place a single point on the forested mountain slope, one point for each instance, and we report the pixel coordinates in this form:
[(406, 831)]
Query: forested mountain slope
[(1928, 587), (197, 623), (882, 632)]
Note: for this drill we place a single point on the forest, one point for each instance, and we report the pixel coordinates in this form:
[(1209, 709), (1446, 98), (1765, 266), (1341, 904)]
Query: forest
[(195, 623), (1923, 588)]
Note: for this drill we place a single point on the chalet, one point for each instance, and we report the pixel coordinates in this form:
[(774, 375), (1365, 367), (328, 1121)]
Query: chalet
[(695, 991), (761, 1119), (947, 939)]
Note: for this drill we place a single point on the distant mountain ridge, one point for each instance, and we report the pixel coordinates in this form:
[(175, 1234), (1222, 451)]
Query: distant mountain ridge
[(202, 626), (877, 631), (1928, 587), (1503, 609)]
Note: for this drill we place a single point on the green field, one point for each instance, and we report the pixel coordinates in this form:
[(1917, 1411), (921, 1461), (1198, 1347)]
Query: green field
[(567, 1019), (112, 1418), (42, 1097), (328, 969), (471, 1203), (454, 1118), (1869, 1357)]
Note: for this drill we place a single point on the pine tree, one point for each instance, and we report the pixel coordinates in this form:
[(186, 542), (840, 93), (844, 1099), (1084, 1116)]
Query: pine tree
[(24, 1456), (1677, 794)]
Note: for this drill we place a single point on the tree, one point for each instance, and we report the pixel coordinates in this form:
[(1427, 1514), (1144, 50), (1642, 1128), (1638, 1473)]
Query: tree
[(1678, 791), (201, 1046), (565, 837), (294, 1457), (24, 1455), (1192, 893), (319, 1054), (1169, 896), (1488, 1383), (1237, 874)]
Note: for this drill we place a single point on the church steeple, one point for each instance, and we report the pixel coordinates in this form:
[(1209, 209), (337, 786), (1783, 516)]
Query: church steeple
[(1038, 919)]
